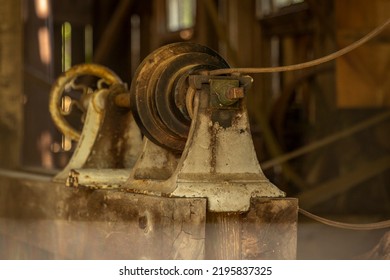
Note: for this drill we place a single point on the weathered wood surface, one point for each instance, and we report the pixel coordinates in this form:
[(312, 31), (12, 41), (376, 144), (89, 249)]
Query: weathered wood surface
[(223, 231), (361, 76), (267, 231), (44, 220), (11, 109)]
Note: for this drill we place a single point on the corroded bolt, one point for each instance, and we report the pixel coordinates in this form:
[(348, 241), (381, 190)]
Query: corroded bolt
[(235, 93), (122, 100)]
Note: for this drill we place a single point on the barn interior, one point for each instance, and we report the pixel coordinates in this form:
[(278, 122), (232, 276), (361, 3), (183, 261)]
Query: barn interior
[(321, 134)]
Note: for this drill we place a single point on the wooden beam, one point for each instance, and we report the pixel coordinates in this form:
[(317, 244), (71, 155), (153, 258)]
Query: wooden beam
[(363, 72), (48, 220), (342, 184), (223, 236), (291, 20), (112, 32), (267, 231), (11, 95)]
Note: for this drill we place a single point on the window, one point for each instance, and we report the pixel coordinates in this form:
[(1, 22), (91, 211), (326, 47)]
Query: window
[(267, 7), (59, 35), (181, 14)]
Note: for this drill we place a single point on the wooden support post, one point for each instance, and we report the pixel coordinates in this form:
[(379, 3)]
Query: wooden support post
[(267, 231), (11, 82), (223, 231)]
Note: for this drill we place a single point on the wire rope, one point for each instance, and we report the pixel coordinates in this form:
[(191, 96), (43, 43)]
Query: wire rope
[(307, 64)]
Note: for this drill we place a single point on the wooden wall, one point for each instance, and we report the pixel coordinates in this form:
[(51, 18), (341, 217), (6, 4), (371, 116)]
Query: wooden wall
[(11, 81), (363, 75)]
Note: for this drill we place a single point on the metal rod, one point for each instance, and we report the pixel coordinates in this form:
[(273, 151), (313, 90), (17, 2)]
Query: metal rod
[(110, 34)]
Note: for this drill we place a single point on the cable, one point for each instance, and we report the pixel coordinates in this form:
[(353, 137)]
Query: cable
[(307, 64), (369, 226)]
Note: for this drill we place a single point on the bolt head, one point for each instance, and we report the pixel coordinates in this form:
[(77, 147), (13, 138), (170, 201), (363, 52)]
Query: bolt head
[(235, 93)]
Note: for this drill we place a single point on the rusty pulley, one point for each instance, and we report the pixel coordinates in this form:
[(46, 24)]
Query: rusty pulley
[(159, 91)]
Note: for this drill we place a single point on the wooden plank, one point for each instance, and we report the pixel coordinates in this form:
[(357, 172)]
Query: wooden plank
[(223, 232), (343, 183), (38, 129), (269, 229), (361, 76), (48, 220), (73, 11), (205, 30), (112, 31), (11, 95), (294, 19)]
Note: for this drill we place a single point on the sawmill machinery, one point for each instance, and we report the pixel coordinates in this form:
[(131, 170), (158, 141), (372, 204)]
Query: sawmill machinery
[(197, 140)]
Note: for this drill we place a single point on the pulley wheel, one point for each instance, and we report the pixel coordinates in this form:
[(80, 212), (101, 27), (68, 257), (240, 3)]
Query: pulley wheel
[(159, 88)]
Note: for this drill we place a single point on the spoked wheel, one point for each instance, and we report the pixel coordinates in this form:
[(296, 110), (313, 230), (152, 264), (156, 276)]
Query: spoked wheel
[(72, 91)]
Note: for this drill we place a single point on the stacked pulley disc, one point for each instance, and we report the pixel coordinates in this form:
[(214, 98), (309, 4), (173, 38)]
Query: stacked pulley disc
[(159, 90)]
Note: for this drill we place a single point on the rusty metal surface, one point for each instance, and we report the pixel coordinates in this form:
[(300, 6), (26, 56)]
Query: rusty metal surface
[(218, 161), (97, 178), (159, 87), (110, 138), (221, 88), (122, 100)]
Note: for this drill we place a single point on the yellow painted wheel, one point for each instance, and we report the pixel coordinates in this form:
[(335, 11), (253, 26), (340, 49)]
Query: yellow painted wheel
[(82, 80)]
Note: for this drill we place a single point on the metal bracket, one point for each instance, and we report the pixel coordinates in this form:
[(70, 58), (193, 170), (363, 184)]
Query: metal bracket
[(110, 138), (218, 162)]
